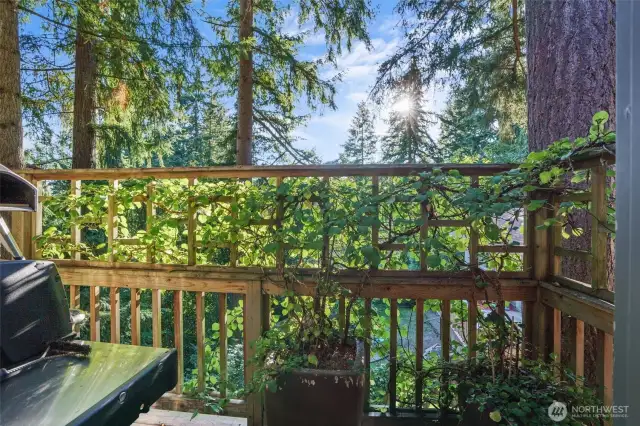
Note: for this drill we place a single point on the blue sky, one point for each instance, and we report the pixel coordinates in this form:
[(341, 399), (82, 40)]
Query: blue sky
[(326, 130)]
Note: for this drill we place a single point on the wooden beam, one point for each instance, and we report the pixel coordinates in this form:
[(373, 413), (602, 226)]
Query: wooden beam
[(419, 351), (280, 261), (150, 214), (557, 341), (156, 318), (375, 228), (445, 329), (94, 314), (200, 336), (604, 367), (576, 254), (367, 351), (521, 290), (502, 249), (259, 272), (222, 322), (114, 296), (159, 280), (595, 312), (424, 234), (76, 232), (252, 331), (598, 235), (191, 225), (178, 335), (135, 316), (36, 223), (541, 246), (112, 217), (599, 293), (472, 327), (528, 312), (393, 354), (243, 172), (576, 349)]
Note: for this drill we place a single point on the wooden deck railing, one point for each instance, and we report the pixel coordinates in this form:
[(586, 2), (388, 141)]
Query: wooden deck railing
[(543, 301)]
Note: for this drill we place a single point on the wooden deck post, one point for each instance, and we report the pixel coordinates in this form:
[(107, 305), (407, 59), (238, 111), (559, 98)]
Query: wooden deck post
[(252, 331)]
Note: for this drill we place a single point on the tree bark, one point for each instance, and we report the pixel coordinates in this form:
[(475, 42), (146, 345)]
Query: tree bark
[(571, 76), (11, 154), (245, 87), (84, 105)]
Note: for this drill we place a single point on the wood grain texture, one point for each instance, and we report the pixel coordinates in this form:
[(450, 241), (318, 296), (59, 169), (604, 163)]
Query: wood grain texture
[(156, 318), (178, 335), (200, 335), (135, 316), (114, 297)]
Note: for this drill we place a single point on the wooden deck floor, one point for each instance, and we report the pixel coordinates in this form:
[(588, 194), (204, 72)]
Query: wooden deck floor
[(157, 417)]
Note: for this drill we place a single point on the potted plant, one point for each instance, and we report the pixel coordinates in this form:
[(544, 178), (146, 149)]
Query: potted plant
[(499, 386), (311, 363)]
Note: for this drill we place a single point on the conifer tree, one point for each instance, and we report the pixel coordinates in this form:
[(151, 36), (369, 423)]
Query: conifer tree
[(360, 148), (407, 139)]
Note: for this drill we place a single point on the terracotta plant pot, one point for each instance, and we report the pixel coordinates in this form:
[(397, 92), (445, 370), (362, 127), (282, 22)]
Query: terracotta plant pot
[(314, 397)]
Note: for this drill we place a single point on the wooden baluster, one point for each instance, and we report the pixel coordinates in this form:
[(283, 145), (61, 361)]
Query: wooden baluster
[(178, 336), (36, 222), (233, 255), (112, 217), (191, 226), (200, 331), (252, 331), (445, 329), (424, 233), (156, 317), (419, 351), (19, 232), (114, 293), (94, 313), (279, 219), (367, 350), (393, 354), (222, 321), (150, 214), (598, 232), (342, 307), (528, 312), (472, 327), (76, 239), (604, 367), (156, 297), (375, 229), (473, 234), (555, 234), (576, 350), (557, 342), (135, 316)]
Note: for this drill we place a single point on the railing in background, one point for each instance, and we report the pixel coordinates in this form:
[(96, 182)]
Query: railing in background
[(539, 317)]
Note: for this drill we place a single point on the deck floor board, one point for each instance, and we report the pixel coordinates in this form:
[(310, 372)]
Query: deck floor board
[(157, 417)]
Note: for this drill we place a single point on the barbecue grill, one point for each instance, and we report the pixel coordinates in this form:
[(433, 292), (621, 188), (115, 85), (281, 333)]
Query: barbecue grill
[(47, 376)]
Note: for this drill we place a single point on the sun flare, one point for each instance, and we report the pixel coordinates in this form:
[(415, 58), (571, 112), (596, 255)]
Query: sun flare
[(403, 106)]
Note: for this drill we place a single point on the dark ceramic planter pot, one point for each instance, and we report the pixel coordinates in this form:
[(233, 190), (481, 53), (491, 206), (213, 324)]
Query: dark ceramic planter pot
[(471, 416), (314, 397)]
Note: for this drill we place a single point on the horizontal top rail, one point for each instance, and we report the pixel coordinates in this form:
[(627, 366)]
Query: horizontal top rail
[(228, 172)]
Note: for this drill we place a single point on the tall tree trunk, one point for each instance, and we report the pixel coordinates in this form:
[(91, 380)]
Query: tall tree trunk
[(84, 105), (571, 75), (245, 87), (10, 113)]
